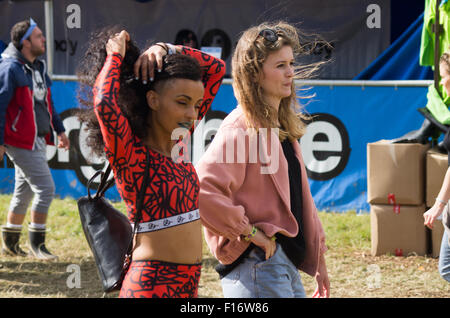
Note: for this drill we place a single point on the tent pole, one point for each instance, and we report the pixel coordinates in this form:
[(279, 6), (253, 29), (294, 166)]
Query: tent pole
[(48, 7)]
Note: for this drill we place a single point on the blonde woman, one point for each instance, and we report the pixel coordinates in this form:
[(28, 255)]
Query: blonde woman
[(255, 203)]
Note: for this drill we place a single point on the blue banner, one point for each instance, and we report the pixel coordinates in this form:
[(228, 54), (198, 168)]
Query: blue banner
[(349, 118), (345, 119)]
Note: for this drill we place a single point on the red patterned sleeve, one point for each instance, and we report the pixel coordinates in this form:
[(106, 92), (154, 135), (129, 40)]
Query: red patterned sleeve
[(115, 128), (213, 71)]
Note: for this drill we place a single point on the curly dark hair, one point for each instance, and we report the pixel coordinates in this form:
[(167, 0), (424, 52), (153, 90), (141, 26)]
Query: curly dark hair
[(132, 94)]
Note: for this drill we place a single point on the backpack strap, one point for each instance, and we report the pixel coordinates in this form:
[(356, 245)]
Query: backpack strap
[(104, 183)]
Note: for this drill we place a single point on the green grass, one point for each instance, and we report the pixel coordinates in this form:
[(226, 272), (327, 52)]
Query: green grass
[(346, 229), (352, 270)]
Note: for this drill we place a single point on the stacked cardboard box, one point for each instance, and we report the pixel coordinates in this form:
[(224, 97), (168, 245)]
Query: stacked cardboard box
[(396, 193), (437, 164)]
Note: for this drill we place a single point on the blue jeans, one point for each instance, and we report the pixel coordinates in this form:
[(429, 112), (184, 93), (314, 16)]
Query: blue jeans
[(257, 278), (444, 258)]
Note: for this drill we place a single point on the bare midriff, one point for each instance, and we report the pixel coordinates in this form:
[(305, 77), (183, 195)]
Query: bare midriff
[(180, 244)]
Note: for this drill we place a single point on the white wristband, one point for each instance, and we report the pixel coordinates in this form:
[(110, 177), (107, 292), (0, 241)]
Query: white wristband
[(441, 201), (172, 49)]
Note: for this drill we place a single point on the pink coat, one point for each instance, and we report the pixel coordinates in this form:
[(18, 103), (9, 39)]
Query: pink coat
[(232, 195)]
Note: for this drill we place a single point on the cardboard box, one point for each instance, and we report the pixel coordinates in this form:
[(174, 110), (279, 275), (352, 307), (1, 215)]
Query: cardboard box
[(436, 167), (398, 231), (436, 238), (396, 173)]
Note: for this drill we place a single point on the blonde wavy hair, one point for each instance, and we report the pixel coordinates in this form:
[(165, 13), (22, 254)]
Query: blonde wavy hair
[(249, 55), (445, 59)]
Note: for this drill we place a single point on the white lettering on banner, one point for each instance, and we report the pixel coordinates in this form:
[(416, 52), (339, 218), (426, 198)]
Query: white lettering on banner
[(235, 149), (325, 147), (70, 123), (73, 21), (333, 144), (51, 151), (373, 21), (91, 159), (83, 162)]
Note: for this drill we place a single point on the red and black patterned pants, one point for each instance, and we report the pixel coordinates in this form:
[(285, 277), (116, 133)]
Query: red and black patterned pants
[(157, 279)]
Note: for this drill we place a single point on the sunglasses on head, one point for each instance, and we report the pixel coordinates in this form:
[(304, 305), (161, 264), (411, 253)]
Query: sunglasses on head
[(269, 35)]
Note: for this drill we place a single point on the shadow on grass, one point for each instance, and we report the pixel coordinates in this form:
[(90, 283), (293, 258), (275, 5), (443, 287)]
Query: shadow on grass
[(209, 262), (30, 278), (33, 278)]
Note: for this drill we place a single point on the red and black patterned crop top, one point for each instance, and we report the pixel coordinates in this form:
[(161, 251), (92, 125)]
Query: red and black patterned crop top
[(173, 188)]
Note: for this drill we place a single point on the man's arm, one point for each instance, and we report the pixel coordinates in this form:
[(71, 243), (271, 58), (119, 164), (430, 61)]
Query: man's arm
[(7, 87)]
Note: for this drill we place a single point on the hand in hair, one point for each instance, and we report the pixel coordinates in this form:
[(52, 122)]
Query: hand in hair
[(144, 67), (118, 43)]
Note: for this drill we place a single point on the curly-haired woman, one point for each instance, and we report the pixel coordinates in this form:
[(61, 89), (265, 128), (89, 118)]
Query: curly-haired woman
[(131, 118)]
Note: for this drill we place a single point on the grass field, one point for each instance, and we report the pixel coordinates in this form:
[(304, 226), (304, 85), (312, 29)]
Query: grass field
[(352, 270)]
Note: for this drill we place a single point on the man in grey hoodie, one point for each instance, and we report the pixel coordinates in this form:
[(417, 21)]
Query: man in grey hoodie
[(28, 121)]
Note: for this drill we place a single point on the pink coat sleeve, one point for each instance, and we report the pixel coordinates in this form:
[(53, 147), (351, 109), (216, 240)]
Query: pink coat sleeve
[(218, 182)]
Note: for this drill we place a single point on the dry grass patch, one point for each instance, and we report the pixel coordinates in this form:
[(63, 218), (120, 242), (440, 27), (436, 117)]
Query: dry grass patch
[(353, 271)]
